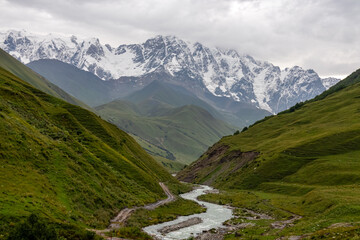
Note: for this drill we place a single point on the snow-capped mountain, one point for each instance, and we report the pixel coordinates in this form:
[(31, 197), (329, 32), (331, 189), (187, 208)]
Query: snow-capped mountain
[(223, 73), (329, 82)]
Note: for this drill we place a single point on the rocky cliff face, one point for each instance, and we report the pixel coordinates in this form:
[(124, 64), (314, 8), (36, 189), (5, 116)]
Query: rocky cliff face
[(222, 73)]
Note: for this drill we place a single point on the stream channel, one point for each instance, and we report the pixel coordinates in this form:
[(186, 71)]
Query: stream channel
[(214, 216)]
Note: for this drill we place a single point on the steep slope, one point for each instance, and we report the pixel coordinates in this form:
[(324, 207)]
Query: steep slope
[(83, 85), (184, 132), (324, 126), (15, 67), (305, 160), (200, 69), (66, 164), (191, 129)]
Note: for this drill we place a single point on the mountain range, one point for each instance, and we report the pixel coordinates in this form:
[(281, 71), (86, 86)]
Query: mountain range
[(211, 73)]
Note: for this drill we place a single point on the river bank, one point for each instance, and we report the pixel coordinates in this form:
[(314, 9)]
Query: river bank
[(213, 218), (124, 214)]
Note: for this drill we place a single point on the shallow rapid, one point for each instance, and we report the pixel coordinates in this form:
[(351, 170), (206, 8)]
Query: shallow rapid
[(214, 217)]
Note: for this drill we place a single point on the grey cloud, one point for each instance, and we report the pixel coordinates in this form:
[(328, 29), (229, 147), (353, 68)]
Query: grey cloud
[(322, 34)]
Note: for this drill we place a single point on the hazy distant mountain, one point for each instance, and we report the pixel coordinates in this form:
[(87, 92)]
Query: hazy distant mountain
[(12, 65), (83, 85), (203, 70)]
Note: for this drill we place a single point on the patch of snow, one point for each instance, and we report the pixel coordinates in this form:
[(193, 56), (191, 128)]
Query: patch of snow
[(260, 90), (120, 65), (209, 83), (173, 66), (284, 74), (223, 88)]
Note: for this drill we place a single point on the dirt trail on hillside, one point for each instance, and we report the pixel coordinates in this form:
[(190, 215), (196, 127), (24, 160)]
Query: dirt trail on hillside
[(170, 198), (125, 213)]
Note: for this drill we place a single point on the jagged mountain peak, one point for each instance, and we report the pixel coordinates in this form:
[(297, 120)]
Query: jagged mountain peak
[(221, 72), (329, 82)]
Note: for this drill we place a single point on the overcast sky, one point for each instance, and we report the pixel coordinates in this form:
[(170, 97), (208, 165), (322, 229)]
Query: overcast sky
[(320, 34)]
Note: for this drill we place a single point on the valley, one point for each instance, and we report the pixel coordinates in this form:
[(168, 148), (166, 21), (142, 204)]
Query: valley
[(169, 139), (169, 120), (303, 161), (155, 90), (158, 116)]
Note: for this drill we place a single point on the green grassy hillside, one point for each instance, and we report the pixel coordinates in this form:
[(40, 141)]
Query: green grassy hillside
[(66, 164), (182, 133), (139, 113), (161, 155), (164, 95), (304, 160), (12, 65), (83, 85)]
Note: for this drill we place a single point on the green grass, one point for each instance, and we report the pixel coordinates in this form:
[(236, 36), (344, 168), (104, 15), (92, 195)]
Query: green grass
[(143, 217), (308, 162), (131, 233), (346, 232), (172, 166), (66, 164), (248, 200), (35, 227), (254, 201), (168, 212), (161, 155), (320, 209)]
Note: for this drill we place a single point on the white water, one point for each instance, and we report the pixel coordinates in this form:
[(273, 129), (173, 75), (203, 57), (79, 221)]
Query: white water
[(214, 216)]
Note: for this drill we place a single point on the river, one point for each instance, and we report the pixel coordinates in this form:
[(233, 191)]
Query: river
[(214, 216)]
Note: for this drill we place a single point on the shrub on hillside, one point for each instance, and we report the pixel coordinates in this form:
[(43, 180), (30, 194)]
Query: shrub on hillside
[(33, 228)]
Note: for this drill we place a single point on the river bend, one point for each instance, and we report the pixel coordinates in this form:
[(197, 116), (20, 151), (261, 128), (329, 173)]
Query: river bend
[(214, 217)]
